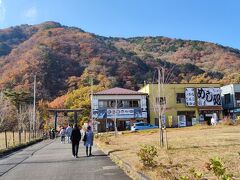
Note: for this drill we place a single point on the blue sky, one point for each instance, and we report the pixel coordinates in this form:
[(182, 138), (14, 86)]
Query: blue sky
[(207, 20)]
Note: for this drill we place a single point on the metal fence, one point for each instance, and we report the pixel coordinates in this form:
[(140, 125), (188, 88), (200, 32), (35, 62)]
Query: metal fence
[(9, 139)]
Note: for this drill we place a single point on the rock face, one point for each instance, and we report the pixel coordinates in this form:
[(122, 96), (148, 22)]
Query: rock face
[(59, 55)]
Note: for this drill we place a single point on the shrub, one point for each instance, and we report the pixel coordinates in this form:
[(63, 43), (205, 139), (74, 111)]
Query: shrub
[(184, 178), (238, 121), (196, 174), (227, 121), (218, 168), (147, 154)]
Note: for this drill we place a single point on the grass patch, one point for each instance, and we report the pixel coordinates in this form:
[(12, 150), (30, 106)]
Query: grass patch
[(189, 148)]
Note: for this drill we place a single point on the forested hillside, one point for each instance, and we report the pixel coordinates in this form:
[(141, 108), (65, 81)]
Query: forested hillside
[(64, 58)]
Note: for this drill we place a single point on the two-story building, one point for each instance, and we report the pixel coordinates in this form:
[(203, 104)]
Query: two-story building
[(231, 100), (184, 103), (124, 105)]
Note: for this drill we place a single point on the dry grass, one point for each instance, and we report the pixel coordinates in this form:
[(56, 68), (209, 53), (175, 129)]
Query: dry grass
[(12, 142), (188, 148)]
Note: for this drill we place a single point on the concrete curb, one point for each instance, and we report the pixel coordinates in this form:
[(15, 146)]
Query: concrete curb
[(124, 165)]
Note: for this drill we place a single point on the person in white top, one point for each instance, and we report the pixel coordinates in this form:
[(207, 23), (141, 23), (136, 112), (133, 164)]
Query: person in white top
[(63, 134), (213, 121)]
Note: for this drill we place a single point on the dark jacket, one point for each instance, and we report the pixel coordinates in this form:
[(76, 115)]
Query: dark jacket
[(75, 136)]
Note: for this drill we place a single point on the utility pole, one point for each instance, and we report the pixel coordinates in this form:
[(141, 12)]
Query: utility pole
[(160, 84), (91, 120), (91, 98), (34, 106), (115, 118)]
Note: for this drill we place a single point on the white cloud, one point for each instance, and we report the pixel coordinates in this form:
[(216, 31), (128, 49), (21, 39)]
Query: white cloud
[(31, 13), (2, 11)]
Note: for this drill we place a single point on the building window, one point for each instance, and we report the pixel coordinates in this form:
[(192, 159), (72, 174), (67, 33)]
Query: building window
[(227, 98), (120, 103), (161, 100), (180, 98), (126, 103), (102, 104), (134, 103), (156, 121), (237, 97)]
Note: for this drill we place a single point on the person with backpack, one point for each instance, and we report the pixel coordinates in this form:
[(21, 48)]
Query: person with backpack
[(88, 141), (69, 132), (75, 138)]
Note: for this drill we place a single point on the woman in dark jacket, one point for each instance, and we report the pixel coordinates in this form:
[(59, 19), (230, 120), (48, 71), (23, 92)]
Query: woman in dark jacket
[(75, 138)]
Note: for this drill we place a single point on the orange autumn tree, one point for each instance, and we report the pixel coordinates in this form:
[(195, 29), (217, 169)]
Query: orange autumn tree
[(58, 102)]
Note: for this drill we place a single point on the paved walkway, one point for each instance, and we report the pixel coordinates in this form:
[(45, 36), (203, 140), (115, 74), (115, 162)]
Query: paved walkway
[(49, 160)]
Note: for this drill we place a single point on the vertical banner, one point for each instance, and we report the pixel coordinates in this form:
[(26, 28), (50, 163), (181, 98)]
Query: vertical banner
[(170, 121), (190, 97), (163, 118)]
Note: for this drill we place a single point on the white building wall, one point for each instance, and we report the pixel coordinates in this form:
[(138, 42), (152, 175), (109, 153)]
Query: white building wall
[(142, 99)]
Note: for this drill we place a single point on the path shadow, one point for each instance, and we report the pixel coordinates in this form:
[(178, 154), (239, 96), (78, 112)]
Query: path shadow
[(115, 150), (98, 155)]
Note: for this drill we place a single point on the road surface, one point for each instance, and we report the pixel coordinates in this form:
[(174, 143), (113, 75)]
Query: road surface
[(50, 160)]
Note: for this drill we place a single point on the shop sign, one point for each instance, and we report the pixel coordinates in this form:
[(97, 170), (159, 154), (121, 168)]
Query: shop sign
[(209, 96), (99, 114), (119, 113)]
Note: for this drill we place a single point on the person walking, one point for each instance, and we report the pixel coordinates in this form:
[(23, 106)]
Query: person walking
[(75, 138), (53, 133), (63, 134), (88, 141), (69, 132)]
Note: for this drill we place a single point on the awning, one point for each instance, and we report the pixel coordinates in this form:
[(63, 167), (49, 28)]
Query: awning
[(217, 108)]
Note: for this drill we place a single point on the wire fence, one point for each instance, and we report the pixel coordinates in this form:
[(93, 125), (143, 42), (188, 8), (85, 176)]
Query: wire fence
[(9, 139)]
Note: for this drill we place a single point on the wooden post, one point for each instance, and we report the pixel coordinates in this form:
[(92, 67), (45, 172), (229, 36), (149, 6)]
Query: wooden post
[(29, 136), (13, 139), (55, 124), (75, 117), (25, 137), (19, 137), (6, 139), (166, 139)]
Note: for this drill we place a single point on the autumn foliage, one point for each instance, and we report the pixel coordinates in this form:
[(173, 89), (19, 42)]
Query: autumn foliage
[(65, 58)]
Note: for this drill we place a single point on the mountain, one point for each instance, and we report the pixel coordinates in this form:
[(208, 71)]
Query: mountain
[(64, 57)]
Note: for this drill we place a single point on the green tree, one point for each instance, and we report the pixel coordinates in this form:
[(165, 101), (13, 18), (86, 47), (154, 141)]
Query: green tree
[(80, 98), (18, 98)]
